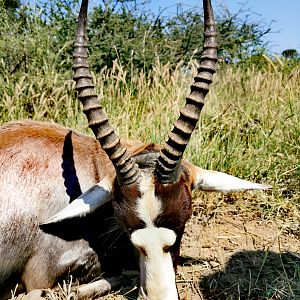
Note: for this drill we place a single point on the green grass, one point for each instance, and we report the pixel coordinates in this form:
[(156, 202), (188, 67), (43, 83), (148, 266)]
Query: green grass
[(249, 126)]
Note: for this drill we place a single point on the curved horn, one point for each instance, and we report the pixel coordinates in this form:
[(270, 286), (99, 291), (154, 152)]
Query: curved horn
[(126, 169), (170, 156)]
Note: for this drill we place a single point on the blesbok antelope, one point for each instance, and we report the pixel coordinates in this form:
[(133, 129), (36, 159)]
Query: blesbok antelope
[(49, 228)]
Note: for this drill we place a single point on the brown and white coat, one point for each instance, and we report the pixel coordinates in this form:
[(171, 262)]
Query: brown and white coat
[(59, 189)]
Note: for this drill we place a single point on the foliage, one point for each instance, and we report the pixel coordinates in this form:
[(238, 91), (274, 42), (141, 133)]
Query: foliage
[(133, 35), (61, 17), (121, 33), (11, 5), (290, 53), (239, 37), (123, 30)]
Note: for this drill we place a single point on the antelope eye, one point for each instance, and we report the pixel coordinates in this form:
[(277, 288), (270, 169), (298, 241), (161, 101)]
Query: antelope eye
[(166, 249), (142, 251)]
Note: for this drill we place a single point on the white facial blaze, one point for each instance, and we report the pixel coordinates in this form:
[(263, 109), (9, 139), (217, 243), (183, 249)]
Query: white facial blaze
[(148, 207), (156, 266)]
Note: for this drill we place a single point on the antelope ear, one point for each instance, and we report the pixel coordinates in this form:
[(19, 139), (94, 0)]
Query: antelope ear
[(207, 180), (88, 202)]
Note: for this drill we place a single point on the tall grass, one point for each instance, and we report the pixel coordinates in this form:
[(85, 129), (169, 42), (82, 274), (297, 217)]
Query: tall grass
[(250, 126)]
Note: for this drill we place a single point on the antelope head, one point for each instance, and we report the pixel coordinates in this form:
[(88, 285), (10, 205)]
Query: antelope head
[(151, 193)]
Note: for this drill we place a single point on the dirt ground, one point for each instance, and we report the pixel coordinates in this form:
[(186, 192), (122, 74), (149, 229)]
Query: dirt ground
[(233, 258)]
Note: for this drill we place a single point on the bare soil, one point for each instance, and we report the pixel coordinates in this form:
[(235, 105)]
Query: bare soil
[(230, 257)]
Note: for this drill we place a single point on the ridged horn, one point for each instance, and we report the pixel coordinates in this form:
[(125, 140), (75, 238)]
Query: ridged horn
[(127, 170), (171, 154)]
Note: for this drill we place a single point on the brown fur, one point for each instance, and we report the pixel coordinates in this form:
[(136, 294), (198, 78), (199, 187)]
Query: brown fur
[(43, 167), (177, 208)]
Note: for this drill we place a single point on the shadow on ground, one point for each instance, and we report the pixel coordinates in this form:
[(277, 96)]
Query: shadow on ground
[(255, 275)]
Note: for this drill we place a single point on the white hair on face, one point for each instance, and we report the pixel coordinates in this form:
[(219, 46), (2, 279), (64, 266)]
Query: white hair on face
[(156, 265), (148, 206)]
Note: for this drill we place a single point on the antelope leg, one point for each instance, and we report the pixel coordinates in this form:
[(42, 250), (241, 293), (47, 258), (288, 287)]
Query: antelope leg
[(33, 295), (97, 288)]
